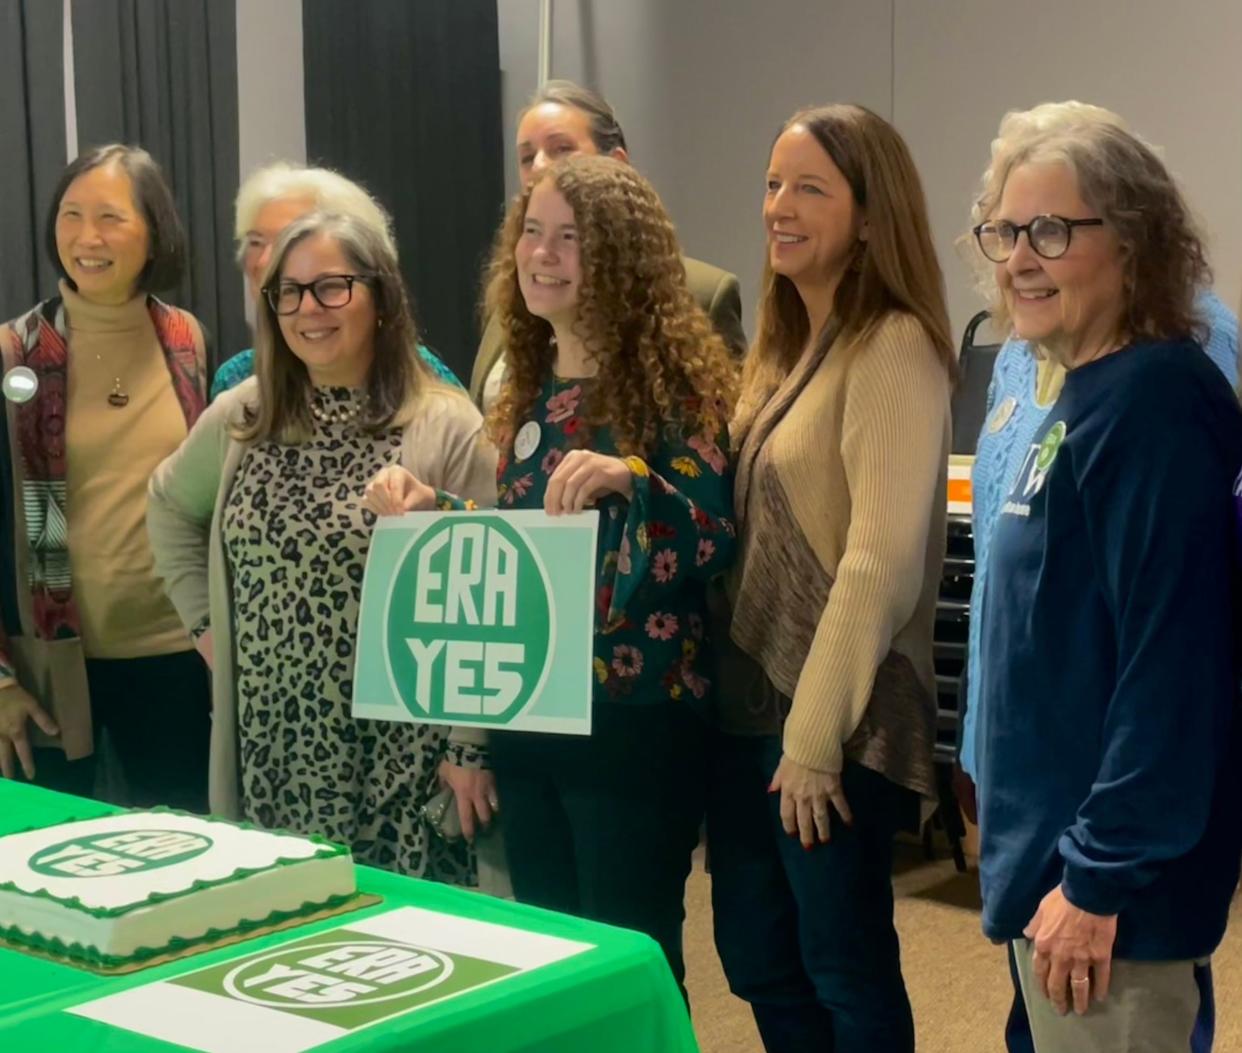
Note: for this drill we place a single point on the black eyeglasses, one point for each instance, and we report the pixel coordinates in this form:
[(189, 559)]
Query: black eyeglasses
[(331, 291), (1049, 236)]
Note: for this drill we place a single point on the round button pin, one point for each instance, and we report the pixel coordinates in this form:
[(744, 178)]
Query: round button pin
[(1002, 415), (527, 441)]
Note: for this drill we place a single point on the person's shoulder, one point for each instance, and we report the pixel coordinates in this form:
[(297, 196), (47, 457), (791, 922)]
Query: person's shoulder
[(898, 340), (185, 318), (705, 280), (443, 409), (229, 407), (1157, 387), (19, 327), (1215, 313), (232, 371)]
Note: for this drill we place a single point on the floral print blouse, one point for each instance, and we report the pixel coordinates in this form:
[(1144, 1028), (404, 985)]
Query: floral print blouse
[(655, 553)]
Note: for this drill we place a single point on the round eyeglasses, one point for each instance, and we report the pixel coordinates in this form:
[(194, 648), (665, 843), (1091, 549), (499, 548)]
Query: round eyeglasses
[(330, 292), (1049, 236)]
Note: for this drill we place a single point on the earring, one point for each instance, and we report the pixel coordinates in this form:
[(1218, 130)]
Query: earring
[(379, 323)]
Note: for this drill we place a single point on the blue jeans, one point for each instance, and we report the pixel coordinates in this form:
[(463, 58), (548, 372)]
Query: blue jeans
[(807, 937)]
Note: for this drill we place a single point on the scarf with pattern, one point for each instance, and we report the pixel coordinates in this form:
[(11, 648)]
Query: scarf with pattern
[(42, 345)]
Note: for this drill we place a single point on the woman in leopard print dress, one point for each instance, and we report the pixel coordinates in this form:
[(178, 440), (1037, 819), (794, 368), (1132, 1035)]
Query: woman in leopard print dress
[(259, 531)]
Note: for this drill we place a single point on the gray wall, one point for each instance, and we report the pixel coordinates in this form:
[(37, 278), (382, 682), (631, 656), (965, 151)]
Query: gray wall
[(271, 107), (702, 85)]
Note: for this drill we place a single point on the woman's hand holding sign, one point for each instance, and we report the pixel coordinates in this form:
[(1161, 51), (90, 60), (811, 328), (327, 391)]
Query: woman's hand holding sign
[(394, 491), (583, 477)]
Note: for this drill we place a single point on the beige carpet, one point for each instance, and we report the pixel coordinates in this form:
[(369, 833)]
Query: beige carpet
[(958, 982)]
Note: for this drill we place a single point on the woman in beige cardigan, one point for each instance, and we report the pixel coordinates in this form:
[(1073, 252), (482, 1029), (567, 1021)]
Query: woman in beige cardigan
[(260, 533), (843, 437)]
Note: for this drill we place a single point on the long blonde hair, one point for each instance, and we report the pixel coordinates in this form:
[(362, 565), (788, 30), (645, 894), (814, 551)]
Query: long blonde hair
[(661, 366), (895, 269)]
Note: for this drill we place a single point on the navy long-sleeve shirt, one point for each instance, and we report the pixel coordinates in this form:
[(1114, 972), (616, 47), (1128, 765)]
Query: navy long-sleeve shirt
[(1108, 761)]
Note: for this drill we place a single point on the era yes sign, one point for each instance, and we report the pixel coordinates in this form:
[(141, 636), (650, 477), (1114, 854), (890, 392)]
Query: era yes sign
[(479, 618)]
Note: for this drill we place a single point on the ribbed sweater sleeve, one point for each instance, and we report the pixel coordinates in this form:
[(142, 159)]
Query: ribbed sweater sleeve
[(893, 423)]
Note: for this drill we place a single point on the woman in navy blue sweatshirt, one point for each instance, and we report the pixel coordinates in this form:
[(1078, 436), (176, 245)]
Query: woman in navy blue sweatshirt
[(1108, 762)]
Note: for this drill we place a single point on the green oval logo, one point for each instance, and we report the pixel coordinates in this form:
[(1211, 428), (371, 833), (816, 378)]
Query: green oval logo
[(1049, 447), (116, 853), (469, 621), (341, 974)]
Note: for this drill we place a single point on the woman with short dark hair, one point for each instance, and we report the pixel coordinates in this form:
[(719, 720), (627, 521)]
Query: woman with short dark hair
[(90, 641)]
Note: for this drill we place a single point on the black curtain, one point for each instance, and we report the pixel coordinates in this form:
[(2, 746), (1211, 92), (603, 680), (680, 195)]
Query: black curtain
[(405, 98), (32, 129), (162, 74)]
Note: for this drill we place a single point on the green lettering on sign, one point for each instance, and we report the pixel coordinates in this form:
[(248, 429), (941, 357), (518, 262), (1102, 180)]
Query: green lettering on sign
[(469, 630)]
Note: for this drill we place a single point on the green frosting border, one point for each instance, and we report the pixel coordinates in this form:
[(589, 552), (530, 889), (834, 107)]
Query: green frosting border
[(325, 850), (84, 955)]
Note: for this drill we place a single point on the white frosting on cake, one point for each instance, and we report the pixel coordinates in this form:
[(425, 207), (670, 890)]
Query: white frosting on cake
[(145, 881)]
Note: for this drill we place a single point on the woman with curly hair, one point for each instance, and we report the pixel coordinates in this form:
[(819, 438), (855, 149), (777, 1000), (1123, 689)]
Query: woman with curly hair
[(617, 395), (828, 717), (1108, 734)]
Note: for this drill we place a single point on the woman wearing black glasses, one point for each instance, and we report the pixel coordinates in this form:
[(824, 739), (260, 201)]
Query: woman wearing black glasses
[(1107, 760), (258, 528)]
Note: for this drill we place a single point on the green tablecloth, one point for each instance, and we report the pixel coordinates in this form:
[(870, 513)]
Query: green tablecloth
[(617, 996)]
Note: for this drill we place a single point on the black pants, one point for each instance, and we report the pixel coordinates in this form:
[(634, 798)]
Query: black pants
[(603, 826), (157, 712), (807, 937)]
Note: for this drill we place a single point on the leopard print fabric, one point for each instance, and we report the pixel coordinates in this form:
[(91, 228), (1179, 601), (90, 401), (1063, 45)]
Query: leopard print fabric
[(296, 538)]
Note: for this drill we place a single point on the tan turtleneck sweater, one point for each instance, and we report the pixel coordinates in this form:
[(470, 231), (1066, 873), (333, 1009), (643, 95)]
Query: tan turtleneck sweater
[(111, 455)]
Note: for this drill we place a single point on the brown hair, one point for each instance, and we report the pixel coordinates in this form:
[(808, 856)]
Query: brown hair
[(894, 270), (398, 376), (606, 131), (661, 366), (1123, 180)]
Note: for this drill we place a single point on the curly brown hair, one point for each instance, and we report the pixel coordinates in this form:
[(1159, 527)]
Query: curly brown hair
[(1124, 181), (662, 368)]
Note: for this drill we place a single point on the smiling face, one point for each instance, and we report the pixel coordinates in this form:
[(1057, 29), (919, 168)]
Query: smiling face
[(102, 237), (550, 132), (549, 264), (337, 345), (812, 221), (1073, 305)]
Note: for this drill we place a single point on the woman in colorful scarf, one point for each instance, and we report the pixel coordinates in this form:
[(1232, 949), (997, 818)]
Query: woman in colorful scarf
[(616, 394), (259, 532), (90, 643)]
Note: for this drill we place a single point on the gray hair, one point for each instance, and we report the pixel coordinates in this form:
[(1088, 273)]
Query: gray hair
[(326, 190), (1125, 182)]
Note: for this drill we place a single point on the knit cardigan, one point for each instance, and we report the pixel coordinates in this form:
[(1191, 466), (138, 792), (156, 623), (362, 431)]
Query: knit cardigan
[(841, 501)]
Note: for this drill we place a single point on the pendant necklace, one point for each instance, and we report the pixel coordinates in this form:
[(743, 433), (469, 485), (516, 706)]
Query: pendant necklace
[(117, 396)]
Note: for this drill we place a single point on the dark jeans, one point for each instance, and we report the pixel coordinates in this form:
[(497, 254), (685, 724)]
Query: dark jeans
[(807, 937), (157, 712), (603, 826), (1018, 1027)]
